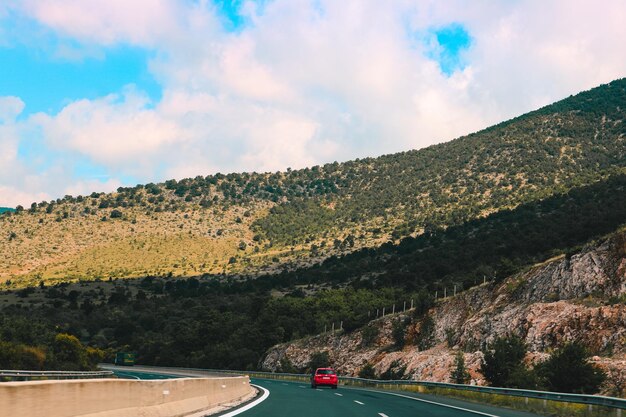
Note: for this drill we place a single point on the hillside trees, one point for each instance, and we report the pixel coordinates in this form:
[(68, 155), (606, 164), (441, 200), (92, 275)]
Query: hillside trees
[(503, 363), (568, 370), (459, 374)]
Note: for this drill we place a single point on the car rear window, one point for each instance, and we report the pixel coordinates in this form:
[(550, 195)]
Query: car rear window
[(325, 372)]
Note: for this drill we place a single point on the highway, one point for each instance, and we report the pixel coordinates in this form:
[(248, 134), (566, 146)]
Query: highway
[(291, 399), (296, 399)]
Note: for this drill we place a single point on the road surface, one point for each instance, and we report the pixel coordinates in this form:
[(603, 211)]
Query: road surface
[(296, 399)]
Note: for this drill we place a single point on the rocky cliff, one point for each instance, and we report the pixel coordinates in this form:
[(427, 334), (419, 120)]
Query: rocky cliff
[(569, 298)]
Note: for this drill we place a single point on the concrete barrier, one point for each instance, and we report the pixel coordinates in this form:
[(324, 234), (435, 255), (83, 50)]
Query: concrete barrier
[(120, 397)]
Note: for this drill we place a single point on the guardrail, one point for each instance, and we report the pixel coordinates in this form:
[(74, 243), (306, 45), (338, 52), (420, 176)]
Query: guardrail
[(543, 395), (18, 375), (552, 403)]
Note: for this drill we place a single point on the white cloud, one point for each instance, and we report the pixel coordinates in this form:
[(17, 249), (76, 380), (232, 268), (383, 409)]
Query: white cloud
[(314, 81), (10, 108), (113, 130), (107, 22)]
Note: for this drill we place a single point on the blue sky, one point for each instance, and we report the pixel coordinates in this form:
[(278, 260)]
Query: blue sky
[(47, 83), (93, 97), (452, 41)]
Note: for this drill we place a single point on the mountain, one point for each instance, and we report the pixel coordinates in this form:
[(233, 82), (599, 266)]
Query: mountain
[(524, 221), (575, 298), (260, 223)]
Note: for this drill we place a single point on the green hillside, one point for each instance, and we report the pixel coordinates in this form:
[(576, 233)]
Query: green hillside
[(257, 223), (229, 265)]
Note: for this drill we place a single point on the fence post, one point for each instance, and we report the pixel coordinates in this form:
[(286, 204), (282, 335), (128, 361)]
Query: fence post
[(445, 293), (404, 307), (455, 290), (376, 313), (393, 309), (333, 328), (411, 304), (341, 325), (383, 311)]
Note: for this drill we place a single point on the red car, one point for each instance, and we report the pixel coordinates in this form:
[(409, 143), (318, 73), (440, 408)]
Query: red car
[(324, 376)]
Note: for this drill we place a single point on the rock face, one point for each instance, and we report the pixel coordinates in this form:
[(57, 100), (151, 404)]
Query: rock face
[(580, 298)]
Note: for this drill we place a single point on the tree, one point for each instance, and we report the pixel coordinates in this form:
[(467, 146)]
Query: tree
[(369, 335), (319, 360), (459, 374), (427, 333), (502, 359), (116, 214), (398, 333), (394, 372), (568, 370), (287, 366), (69, 353), (367, 372)]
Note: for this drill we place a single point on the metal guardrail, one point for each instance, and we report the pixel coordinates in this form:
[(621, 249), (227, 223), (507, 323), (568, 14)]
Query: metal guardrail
[(28, 375), (598, 400), (543, 395)]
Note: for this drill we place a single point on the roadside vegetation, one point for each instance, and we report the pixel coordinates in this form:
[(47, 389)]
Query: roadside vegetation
[(212, 271), (566, 370)]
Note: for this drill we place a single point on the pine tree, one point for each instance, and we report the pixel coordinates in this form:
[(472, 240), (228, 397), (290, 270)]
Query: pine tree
[(459, 374)]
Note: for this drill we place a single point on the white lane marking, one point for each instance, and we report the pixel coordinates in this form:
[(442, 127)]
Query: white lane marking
[(358, 402), (383, 415), (266, 393), (341, 395), (434, 403)]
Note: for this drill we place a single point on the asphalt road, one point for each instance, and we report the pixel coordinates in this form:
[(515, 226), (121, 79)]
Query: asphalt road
[(292, 399), (296, 399)]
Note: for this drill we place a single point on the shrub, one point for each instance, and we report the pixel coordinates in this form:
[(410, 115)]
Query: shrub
[(369, 335), (568, 370), (367, 372), (319, 360), (502, 362)]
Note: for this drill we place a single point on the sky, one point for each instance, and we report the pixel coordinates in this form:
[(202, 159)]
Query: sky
[(100, 94)]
